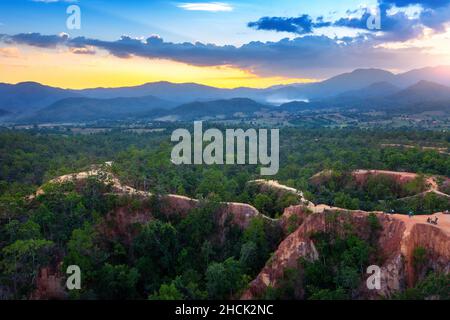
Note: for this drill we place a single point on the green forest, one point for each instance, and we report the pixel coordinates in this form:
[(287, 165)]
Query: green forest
[(174, 257)]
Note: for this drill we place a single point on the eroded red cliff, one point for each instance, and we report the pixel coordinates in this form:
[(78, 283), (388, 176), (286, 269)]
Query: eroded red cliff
[(396, 243)]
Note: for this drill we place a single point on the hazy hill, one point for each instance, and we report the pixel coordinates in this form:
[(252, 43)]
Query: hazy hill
[(355, 80), (181, 92), (86, 109), (358, 80), (440, 75), (348, 90), (337, 85), (218, 108), (421, 92), (28, 96), (351, 81), (376, 90), (420, 97)]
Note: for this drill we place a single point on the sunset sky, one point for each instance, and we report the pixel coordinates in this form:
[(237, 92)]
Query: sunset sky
[(255, 43)]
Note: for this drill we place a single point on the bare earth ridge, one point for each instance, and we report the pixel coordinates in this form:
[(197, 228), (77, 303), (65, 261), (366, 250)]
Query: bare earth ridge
[(399, 237)]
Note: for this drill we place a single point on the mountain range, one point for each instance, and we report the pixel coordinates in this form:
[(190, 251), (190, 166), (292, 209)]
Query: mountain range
[(361, 88)]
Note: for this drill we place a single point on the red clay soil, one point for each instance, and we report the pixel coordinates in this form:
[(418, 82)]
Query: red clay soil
[(49, 285), (399, 237), (397, 241)]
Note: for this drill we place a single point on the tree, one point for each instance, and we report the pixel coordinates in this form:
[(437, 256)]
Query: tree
[(83, 252), (117, 282), (249, 254), (15, 230), (434, 286), (419, 258), (225, 279), (264, 204), (156, 249), (167, 292), (343, 200), (329, 294), (257, 234), (22, 261)]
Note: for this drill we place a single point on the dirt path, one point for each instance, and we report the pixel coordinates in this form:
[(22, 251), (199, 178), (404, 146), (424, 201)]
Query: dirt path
[(443, 221), (430, 181)]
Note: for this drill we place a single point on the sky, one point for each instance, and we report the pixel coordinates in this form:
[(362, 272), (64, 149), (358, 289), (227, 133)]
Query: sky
[(254, 43)]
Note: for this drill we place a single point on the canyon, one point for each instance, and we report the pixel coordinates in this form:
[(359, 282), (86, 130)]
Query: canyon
[(398, 237)]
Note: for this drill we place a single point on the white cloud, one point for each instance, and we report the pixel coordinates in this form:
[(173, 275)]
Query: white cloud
[(207, 6), (52, 1)]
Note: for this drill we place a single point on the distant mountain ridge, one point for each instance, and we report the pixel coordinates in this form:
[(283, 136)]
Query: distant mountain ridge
[(29, 96), (360, 79), (361, 88), (88, 109), (423, 91), (420, 97)]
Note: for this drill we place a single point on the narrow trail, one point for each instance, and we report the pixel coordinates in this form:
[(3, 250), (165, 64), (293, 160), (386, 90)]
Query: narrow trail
[(119, 188), (433, 186)]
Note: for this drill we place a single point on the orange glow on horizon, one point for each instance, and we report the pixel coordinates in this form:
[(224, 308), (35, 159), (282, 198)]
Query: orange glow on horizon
[(64, 69)]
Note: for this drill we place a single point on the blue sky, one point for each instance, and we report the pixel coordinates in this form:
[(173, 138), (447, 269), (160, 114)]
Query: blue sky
[(111, 19), (283, 40)]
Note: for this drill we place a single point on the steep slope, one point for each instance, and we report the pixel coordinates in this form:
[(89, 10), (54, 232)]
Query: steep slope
[(397, 242), (171, 204)]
